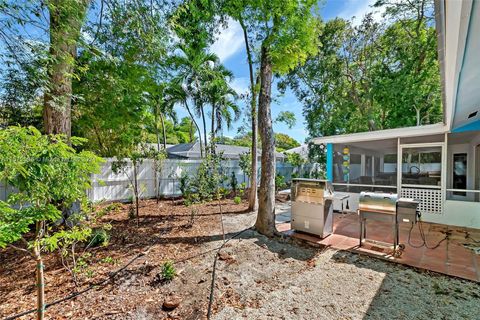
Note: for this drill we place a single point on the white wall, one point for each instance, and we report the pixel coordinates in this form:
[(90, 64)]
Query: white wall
[(457, 213)]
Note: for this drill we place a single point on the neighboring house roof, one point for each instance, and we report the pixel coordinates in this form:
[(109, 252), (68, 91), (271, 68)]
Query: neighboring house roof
[(301, 150), (192, 151)]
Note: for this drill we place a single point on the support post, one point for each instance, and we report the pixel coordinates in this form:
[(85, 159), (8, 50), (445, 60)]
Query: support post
[(330, 162), (399, 168)]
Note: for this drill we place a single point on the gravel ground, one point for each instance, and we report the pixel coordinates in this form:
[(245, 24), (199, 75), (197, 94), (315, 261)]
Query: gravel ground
[(270, 279)]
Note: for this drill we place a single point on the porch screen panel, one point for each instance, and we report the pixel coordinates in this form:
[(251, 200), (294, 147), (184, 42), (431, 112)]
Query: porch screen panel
[(422, 166), (422, 177)]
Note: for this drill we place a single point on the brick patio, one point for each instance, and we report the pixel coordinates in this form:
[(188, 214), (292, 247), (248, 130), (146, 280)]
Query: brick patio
[(451, 257)]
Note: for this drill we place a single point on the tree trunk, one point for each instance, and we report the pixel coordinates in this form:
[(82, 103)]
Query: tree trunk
[(204, 128), (40, 289), (135, 190), (212, 129), (164, 131), (252, 198), (198, 128), (40, 280), (265, 223), (66, 20)]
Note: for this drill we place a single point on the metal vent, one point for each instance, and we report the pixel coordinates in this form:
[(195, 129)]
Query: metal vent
[(473, 114)]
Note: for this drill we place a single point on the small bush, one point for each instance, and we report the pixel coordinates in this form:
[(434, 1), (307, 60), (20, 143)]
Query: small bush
[(168, 271), (99, 237), (237, 200), (233, 183), (131, 212), (280, 182)]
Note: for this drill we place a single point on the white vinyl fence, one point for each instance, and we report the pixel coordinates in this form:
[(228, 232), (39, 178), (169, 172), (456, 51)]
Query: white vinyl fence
[(111, 186)]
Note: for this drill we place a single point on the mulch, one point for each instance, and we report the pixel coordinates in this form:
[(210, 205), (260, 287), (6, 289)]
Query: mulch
[(165, 229)]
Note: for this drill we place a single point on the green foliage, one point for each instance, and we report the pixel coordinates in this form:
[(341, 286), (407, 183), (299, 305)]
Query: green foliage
[(245, 163), (284, 142), (49, 176), (280, 182), (206, 183), (237, 200), (294, 159), (287, 117), (377, 75), (99, 237), (168, 271), (233, 183), (108, 260)]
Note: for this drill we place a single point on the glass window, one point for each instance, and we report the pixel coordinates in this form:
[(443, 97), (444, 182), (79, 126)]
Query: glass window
[(422, 166), (460, 173)]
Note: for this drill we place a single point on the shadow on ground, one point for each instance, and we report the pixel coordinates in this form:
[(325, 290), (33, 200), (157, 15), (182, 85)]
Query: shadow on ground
[(408, 293)]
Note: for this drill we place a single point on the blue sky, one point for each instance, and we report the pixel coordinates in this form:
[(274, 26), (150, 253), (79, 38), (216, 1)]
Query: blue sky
[(230, 48)]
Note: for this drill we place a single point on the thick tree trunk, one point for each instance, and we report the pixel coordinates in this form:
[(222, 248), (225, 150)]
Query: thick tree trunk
[(252, 198), (66, 20), (265, 223)]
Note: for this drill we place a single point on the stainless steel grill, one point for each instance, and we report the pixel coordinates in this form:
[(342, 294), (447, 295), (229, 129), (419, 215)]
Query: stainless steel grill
[(388, 208), (312, 208)]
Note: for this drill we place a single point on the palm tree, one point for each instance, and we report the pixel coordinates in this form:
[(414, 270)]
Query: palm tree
[(194, 67), (163, 106), (176, 93), (221, 97)]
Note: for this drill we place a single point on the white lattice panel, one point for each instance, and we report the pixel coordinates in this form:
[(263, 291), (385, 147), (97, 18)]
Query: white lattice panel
[(431, 199)]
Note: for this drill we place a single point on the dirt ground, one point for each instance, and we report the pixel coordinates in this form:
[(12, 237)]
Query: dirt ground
[(256, 277)]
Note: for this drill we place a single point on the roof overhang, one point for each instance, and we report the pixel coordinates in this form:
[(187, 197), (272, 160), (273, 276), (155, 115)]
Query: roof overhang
[(458, 25), (407, 132)]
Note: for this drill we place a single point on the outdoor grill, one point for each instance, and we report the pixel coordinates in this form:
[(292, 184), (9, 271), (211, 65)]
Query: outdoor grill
[(388, 208), (312, 207)]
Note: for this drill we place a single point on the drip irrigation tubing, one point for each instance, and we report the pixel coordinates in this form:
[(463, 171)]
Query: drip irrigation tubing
[(212, 285), (112, 275)]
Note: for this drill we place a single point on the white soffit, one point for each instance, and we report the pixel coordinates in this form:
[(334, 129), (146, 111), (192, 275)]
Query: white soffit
[(457, 19), (407, 132), (467, 103)]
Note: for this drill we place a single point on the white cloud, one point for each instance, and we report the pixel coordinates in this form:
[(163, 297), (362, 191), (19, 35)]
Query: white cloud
[(240, 85), (229, 42), (357, 9)]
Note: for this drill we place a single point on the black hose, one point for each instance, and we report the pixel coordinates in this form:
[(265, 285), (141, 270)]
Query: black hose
[(423, 237), (212, 285)]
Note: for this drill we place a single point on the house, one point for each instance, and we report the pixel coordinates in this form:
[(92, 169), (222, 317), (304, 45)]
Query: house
[(438, 164), (192, 151)]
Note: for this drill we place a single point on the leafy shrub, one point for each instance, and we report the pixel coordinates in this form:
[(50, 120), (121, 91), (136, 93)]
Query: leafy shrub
[(168, 271), (280, 182), (99, 237), (233, 183), (206, 184), (184, 184), (49, 176), (237, 200)]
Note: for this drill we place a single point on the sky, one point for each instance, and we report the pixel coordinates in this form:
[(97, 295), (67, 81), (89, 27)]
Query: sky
[(230, 48)]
